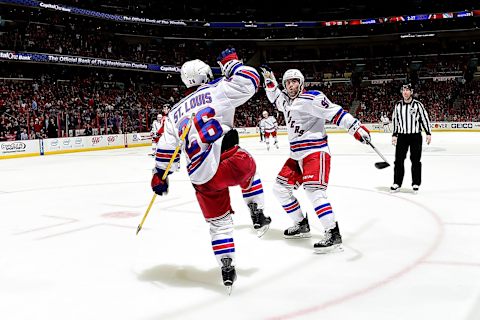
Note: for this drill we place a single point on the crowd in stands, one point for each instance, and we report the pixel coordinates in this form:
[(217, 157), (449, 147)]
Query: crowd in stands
[(48, 101), (92, 40), (445, 100), (45, 108)]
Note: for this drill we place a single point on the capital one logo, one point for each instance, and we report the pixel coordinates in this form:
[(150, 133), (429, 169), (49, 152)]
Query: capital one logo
[(96, 140)]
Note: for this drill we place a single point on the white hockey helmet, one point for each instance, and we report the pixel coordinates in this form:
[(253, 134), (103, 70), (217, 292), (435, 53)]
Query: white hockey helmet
[(195, 73), (293, 74)]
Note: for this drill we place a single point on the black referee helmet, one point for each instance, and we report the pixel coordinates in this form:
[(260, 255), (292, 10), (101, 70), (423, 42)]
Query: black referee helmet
[(406, 86)]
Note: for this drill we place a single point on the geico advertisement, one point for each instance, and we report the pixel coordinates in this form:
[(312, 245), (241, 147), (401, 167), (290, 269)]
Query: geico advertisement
[(455, 125)]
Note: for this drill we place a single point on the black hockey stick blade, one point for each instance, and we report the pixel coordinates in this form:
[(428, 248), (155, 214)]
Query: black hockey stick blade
[(382, 165)]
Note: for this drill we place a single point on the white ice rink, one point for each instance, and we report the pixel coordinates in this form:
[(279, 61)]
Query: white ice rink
[(68, 248)]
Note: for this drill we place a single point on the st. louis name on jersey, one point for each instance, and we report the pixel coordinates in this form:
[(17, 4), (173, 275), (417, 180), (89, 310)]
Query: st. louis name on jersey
[(268, 124), (305, 118), (213, 106)]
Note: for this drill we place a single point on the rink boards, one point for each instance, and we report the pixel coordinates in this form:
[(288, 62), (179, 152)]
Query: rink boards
[(29, 148)]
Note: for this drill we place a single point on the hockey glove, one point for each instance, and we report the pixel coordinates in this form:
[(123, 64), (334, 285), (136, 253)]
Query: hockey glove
[(159, 186), (360, 132), (227, 60), (269, 81)]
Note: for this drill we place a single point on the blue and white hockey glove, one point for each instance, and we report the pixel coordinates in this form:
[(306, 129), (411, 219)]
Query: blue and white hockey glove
[(159, 186), (227, 60)]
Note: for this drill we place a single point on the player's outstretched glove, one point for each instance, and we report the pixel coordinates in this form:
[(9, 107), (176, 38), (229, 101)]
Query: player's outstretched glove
[(360, 132), (159, 186), (269, 81), (227, 60)]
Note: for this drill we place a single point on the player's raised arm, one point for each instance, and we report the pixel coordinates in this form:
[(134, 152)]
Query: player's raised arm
[(242, 81), (323, 108), (270, 84)]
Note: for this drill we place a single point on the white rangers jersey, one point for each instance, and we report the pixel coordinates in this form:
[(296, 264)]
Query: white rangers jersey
[(269, 124), (305, 118), (384, 119), (214, 107), (156, 125)]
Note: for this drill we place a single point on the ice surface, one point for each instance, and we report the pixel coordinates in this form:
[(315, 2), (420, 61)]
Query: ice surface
[(68, 248)]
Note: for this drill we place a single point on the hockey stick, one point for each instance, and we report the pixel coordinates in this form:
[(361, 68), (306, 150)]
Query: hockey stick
[(379, 165), (174, 155)]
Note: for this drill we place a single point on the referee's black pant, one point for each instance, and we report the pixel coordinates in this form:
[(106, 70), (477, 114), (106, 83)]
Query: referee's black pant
[(404, 141)]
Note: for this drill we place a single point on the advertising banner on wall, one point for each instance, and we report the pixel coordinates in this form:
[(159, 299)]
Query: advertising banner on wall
[(136, 139), (60, 145), (85, 61), (23, 147)]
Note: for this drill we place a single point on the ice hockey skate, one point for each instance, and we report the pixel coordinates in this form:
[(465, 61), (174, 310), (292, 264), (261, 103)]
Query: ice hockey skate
[(298, 231), (415, 188), (394, 188), (331, 242), (260, 223), (229, 274)]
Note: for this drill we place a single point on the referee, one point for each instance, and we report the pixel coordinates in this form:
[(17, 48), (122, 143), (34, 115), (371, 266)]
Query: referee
[(409, 116)]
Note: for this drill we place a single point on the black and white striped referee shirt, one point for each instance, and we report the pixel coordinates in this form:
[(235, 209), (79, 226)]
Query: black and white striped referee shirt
[(410, 118)]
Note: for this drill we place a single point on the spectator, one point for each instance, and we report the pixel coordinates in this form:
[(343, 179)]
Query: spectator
[(24, 135), (52, 129), (88, 130)]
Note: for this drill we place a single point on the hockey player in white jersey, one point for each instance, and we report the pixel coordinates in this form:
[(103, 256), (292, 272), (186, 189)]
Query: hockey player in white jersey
[(157, 127), (385, 122), (309, 163), (215, 162), (269, 126)]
